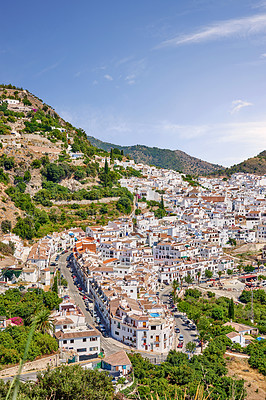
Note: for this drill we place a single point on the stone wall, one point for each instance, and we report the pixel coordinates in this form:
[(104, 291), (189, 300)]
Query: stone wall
[(39, 364)]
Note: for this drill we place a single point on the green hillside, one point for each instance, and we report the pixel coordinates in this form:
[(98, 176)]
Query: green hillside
[(254, 165), (163, 158), (51, 176)]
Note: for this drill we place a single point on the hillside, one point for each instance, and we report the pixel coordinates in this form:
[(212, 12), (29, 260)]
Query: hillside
[(254, 165), (51, 176), (163, 158)]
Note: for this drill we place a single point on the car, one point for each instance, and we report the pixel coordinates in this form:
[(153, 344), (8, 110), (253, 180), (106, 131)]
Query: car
[(177, 330), (84, 297), (53, 264), (57, 258), (180, 344), (181, 338), (97, 320)]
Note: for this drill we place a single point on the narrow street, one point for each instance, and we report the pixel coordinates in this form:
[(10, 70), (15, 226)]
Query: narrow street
[(108, 344), (188, 334)]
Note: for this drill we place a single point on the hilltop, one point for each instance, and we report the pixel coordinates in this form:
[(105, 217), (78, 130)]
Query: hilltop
[(163, 158), (50, 174), (254, 165)]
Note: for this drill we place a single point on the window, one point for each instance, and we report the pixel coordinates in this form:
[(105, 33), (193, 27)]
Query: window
[(64, 326), (144, 324), (153, 327), (71, 340), (93, 348), (82, 350), (64, 341), (93, 339), (116, 333), (84, 340)]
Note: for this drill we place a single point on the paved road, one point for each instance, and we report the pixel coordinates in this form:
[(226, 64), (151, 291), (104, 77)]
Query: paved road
[(108, 344), (188, 334)]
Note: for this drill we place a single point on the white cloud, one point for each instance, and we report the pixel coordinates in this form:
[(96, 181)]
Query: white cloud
[(238, 104), (130, 79), (108, 77), (47, 69), (242, 27)]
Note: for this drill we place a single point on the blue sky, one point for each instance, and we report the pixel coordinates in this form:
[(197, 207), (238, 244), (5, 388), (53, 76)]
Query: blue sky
[(187, 75)]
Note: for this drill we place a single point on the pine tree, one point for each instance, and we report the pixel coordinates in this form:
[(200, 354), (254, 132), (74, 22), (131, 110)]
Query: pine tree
[(122, 152), (231, 310), (162, 203), (111, 155), (106, 168)]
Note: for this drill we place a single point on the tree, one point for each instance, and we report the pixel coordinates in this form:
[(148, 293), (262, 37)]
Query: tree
[(220, 274), (162, 204), (190, 348), (188, 279), (55, 285), (124, 205), (208, 274), (231, 310), (65, 383), (249, 268), (44, 322), (6, 226), (175, 287), (198, 276), (112, 156)]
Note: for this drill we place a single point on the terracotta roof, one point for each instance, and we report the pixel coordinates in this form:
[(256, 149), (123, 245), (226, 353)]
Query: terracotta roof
[(119, 358), (76, 334)]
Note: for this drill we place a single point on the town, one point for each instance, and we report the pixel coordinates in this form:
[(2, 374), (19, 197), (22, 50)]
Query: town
[(119, 282)]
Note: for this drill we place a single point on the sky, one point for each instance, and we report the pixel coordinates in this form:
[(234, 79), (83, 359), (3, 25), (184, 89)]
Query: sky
[(187, 75)]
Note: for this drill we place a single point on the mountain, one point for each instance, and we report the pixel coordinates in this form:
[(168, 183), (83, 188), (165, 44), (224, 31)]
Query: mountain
[(163, 158), (254, 165), (49, 171)]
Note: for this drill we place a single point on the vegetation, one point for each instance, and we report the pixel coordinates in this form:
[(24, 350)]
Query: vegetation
[(254, 165), (162, 158), (179, 374), (65, 383), (22, 309)]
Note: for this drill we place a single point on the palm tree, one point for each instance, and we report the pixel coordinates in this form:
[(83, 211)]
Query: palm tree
[(219, 274), (198, 276), (203, 337), (44, 322), (181, 282), (174, 286)]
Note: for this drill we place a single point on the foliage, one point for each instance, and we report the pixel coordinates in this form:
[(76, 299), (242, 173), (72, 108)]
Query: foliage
[(65, 383), (193, 293), (6, 226), (231, 310), (208, 274), (179, 372), (257, 352)]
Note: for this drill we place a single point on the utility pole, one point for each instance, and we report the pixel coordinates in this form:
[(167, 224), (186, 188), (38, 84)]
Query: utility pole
[(252, 310)]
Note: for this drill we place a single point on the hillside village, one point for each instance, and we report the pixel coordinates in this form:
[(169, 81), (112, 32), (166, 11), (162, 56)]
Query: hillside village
[(161, 231)]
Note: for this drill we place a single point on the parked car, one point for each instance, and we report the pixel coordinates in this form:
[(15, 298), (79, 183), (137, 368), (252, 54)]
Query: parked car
[(53, 264), (180, 344), (181, 338), (177, 330)]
